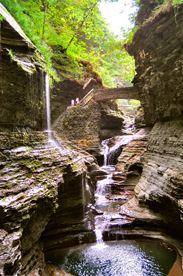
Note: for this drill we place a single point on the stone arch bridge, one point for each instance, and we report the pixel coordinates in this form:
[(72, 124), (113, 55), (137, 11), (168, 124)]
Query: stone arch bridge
[(110, 94)]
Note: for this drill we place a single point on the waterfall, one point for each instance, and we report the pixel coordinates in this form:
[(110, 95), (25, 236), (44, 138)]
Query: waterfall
[(100, 226), (105, 151), (48, 112), (111, 150), (102, 190)]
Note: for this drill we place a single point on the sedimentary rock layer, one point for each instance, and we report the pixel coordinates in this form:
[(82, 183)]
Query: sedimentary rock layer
[(157, 48), (86, 126), (161, 184), (32, 175)]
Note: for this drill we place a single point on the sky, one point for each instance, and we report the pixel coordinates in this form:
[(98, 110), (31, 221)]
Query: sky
[(117, 15)]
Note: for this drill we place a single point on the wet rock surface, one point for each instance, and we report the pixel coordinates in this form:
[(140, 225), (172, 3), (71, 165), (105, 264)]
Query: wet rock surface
[(139, 118), (159, 191), (33, 173), (132, 156)]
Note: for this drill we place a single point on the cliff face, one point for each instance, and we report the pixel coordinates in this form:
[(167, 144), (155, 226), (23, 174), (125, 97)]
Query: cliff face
[(34, 186), (161, 184), (158, 52), (69, 89), (38, 180), (21, 79), (157, 48)]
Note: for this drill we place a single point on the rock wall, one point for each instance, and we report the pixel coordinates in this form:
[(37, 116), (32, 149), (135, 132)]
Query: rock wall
[(21, 96), (132, 156), (38, 180), (34, 185), (21, 80), (158, 52), (86, 126), (157, 48), (161, 184), (69, 88)]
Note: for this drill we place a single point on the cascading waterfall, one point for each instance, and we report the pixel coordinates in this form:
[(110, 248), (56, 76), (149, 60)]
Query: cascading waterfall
[(48, 112), (103, 201), (102, 190)]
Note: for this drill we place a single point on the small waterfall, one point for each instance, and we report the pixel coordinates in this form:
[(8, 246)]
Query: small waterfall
[(48, 112), (100, 226), (105, 151), (103, 189), (111, 150)]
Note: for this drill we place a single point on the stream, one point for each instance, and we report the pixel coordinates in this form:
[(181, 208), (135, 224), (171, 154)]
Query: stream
[(125, 257)]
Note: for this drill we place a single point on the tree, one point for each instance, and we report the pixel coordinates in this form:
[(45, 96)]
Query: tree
[(66, 32)]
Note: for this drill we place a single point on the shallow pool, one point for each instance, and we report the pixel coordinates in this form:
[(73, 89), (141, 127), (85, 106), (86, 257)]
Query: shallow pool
[(124, 258)]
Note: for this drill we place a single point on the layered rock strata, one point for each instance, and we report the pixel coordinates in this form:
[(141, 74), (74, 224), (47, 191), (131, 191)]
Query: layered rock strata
[(21, 80), (158, 52), (86, 126), (33, 179), (157, 48)]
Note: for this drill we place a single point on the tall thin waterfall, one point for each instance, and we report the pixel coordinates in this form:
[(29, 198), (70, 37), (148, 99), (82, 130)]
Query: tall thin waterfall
[(48, 112)]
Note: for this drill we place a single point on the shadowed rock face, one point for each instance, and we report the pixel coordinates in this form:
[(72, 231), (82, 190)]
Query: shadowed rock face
[(21, 83), (34, 186), (161, 184), (157, 48), (146, 8), (159, 192)]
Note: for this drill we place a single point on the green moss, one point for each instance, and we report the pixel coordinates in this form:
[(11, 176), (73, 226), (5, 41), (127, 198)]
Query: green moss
[(31, 164)]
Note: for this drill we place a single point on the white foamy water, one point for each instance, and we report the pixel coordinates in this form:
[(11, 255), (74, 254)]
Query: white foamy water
[(105, 151), (48, 110)]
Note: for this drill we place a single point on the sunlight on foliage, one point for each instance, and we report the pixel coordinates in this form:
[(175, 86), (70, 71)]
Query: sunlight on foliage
[(66, 32)]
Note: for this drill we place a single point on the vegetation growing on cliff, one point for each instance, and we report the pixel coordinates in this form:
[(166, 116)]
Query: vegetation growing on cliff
[(67, 32)]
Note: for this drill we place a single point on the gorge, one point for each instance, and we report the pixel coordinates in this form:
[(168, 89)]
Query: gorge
[(91, 189)]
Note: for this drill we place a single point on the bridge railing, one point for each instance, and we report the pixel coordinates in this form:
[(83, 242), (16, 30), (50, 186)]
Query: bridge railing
[(87, 98)]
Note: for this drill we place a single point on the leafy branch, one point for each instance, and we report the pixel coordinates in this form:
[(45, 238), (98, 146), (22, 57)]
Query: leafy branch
[(80, 26)]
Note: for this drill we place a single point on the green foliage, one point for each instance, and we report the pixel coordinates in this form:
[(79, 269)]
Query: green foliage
[(66, 32), (177, 2), (1, 18)]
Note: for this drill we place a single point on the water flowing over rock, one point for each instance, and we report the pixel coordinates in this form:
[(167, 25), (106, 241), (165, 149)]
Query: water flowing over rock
[(47, 201)]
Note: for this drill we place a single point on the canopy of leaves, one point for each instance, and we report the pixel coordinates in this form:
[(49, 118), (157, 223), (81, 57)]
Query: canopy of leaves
[(66, 32)]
